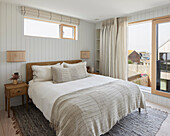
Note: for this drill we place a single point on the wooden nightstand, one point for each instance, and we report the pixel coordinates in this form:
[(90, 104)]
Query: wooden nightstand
[(12, 90)]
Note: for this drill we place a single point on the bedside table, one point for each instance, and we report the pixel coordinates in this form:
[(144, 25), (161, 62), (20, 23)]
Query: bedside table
[(12, 90)]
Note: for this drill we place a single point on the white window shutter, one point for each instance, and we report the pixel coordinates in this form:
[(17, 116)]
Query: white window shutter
[(49, 16), (30, 12), (44, 15), (56, 17), (66, 19), (75, 21)]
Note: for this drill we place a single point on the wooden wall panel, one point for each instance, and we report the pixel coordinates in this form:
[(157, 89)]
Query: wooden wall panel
[(37, 49), (151, 13)]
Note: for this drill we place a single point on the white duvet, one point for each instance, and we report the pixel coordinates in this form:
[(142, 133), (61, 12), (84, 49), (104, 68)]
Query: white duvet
[(44, 94)]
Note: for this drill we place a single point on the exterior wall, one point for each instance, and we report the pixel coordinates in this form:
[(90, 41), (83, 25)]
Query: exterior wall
[(164, 48), (134, 69), (144, 81), (134, 57), (165, 75)]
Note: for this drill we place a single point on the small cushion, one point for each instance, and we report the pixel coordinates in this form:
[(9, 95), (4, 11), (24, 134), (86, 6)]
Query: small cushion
[(61, 75), (67, 65), (64, 64), (43, 73)]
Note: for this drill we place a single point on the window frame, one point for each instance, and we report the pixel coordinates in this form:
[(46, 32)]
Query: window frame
[(155, 21), (60, 29), (154, 55)]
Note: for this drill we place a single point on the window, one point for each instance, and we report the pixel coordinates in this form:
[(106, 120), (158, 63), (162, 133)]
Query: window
[(68, 32), (164, 60), (139, 53), (48, 29), (161, 55), (41, 28), (157, 34)]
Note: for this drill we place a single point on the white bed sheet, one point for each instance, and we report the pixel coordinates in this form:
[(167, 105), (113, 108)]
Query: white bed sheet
[(44, 94)]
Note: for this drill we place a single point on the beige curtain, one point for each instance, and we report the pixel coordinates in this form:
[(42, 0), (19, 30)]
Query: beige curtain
[(113, 50)]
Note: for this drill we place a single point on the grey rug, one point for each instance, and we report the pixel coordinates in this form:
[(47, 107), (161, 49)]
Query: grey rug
[(33, 123)]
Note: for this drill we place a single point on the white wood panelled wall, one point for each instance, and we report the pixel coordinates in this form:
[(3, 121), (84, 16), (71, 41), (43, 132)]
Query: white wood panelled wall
[(151, 13), (145, 14), (156, 98), (37, 49)]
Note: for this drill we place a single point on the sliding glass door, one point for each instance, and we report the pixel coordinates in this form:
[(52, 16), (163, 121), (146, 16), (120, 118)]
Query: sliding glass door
[(161, 57)]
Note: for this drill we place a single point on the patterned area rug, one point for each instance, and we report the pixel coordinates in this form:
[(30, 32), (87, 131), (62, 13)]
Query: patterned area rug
[(33, 123)]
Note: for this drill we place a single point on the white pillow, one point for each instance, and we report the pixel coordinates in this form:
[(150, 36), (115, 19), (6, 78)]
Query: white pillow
[(43, 73), (67, 65), (64, 64), (61, 75)]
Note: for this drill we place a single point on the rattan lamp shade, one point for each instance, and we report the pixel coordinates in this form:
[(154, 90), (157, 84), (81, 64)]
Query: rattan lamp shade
[(16, 56), (85, 54)]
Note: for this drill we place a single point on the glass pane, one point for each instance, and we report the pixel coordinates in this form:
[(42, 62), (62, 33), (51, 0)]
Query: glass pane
[(163, 57), (168, 67), (40, 28), (168, 56), (68, 32), (163, 66), (139, 54)]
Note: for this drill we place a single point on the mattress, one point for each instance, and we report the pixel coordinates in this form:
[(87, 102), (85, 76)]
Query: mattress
[(44, 94)]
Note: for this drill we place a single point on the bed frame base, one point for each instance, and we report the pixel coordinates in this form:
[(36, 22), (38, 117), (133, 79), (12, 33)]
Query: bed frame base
[(139, 109)]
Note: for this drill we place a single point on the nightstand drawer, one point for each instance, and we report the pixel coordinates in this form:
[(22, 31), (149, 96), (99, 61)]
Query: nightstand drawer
[(18, 91)]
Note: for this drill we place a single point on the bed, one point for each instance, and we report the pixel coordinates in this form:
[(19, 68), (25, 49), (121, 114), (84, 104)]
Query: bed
[(86, 107)]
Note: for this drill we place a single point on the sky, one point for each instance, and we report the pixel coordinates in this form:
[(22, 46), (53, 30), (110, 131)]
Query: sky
[(45, 29), (40, 28), (140, 35)]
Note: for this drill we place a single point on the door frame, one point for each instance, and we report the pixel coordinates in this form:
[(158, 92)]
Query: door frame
[(153, 60)]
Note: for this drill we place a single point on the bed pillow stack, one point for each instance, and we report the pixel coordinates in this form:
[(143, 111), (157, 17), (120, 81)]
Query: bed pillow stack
[(69, 72), (43, 73), (60, 73), (83, 64)]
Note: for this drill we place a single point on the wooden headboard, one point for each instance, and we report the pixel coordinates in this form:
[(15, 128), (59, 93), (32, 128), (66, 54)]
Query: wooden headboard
[(29, 72)]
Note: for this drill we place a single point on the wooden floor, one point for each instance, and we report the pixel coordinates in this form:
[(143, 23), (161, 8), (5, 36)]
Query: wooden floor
[(6, 128), (165, 128)]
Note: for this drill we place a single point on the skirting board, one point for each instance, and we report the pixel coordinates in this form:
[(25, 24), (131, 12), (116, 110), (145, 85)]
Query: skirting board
[(156, 99)]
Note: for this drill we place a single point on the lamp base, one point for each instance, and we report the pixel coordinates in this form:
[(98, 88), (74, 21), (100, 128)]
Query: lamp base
[(15, 82)]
